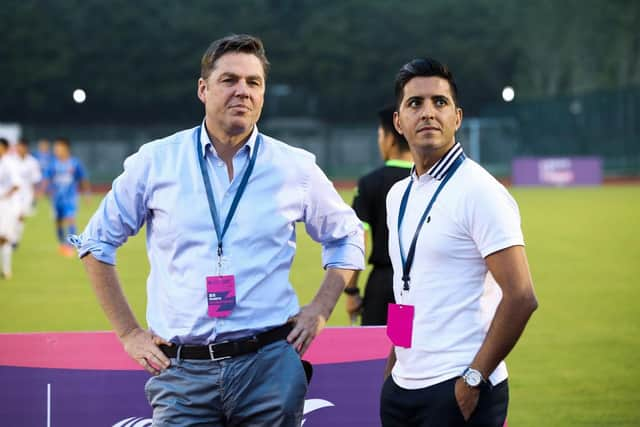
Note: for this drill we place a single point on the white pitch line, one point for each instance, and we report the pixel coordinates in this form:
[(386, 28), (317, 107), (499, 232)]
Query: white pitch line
[(49, 405)]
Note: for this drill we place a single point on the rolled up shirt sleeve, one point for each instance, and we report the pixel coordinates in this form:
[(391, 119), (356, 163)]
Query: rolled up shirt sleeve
[(121, 213), (332, 223)]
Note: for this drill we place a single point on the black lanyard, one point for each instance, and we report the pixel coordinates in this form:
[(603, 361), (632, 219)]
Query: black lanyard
[(408, 262), (207, 185)]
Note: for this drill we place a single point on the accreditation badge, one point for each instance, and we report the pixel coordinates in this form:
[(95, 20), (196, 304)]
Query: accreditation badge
[(400, 324), (221, 295)]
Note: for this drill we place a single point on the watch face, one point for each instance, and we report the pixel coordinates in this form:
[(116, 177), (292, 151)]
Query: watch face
[(473, 378)]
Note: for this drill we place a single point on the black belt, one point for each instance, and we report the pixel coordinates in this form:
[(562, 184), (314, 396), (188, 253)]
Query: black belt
[(227, 349)]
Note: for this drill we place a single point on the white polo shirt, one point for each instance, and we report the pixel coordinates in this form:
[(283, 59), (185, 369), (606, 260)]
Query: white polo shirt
[(454, 295)]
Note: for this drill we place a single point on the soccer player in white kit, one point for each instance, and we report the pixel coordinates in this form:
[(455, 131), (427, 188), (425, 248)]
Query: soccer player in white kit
[(8, 211), (27, 170)]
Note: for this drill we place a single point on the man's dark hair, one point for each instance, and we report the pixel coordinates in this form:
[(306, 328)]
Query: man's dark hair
[(234, 43), (63, 140), (385, 118), (4, 142), (423, 67)]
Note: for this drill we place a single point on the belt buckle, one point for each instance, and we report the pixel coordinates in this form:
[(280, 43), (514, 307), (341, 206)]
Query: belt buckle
[(211, 352)]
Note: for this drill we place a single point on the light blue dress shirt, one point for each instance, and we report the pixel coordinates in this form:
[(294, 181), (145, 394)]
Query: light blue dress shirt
[(162, 187)]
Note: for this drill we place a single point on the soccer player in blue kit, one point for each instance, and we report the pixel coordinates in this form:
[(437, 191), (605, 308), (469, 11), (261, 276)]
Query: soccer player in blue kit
[(65, 177)]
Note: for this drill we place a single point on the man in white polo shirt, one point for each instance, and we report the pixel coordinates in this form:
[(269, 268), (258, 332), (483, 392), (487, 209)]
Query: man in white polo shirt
[(461, 279)]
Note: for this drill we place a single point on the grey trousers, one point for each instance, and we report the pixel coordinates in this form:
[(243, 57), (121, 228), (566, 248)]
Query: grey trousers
[(266, 388)]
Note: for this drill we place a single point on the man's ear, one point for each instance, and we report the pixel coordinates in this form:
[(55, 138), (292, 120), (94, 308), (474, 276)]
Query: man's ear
[(396, 122), (202, 87), (458, 117)]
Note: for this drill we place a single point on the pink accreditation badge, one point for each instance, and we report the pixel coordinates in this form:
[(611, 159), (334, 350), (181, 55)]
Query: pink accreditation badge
[(400, 324), (221, 295)]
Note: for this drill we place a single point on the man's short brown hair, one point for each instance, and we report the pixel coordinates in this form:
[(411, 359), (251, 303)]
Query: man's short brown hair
[(243, 43)]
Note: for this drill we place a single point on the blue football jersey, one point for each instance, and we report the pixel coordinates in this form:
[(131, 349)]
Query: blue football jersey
[(65, 177)]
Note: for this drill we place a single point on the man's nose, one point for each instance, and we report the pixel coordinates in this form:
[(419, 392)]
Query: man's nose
[(428, 111), (242, 89)]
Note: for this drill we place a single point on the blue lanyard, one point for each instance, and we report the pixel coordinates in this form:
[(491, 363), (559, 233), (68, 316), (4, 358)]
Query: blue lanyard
[(408, 262), (236, 199)]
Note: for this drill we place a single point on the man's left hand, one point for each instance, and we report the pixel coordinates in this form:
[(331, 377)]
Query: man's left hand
[(467, 398), (307, 324)]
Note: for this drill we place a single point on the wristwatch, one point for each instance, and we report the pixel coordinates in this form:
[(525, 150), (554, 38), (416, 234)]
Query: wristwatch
[(473, 378), (352, 291)]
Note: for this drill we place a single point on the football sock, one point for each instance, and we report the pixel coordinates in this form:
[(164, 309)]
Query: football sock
[(6, 258), (60, 233), (19, 230)]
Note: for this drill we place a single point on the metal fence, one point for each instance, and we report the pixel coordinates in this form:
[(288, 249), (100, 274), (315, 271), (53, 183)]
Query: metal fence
[(603, 124), (343, 152)]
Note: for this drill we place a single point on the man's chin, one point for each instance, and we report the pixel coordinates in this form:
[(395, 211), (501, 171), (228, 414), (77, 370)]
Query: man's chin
[(428, 145), (239, 127)]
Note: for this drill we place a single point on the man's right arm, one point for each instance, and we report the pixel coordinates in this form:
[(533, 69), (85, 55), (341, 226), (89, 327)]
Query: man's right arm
[(120, 215), (360, 205), (353, 303), (140, 344)]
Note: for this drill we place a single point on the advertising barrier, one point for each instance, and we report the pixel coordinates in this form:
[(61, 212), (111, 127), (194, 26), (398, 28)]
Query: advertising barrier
[(81, 379), (557, 171)]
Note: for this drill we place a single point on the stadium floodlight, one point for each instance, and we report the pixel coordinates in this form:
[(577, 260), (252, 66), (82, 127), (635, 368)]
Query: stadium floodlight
[(508, 94), (79, 96), (575, 107)]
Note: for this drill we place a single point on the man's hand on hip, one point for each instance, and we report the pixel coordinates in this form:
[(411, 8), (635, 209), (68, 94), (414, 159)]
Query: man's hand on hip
[(142, 346), (467, 398), (311, 319), (307, 324)]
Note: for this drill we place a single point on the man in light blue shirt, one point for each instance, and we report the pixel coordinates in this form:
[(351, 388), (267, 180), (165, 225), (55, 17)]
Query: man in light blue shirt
[(220, 203)]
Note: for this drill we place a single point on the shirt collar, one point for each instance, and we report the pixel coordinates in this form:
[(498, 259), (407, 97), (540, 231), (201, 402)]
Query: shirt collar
[(442, 166), (205, 140)]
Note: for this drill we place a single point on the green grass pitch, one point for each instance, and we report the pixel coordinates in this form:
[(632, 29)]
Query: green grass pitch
[(576, 364)]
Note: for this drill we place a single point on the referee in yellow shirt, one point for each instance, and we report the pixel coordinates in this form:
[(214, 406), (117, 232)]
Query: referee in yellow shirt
[(369, 204)]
